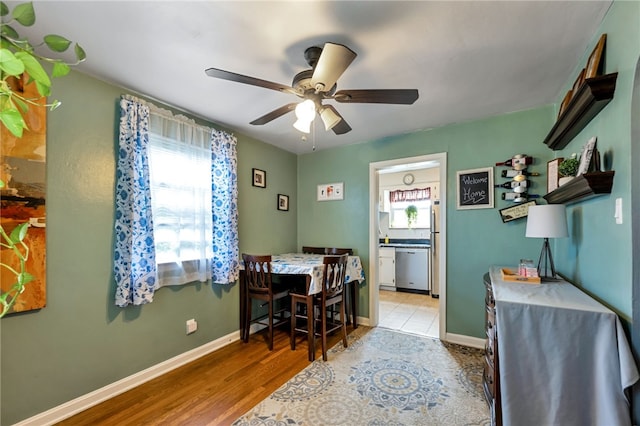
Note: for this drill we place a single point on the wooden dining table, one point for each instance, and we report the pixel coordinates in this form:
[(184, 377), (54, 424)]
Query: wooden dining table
[(310, 267)]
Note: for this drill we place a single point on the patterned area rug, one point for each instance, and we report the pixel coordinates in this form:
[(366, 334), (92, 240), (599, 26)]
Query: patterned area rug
[(384, 377)]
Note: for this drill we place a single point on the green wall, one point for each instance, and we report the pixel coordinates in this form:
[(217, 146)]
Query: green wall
[(597, 257), (81, 341), (471, 234)]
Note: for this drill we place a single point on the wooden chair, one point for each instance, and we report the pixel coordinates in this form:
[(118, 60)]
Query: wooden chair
[(314, 250), (259, 286), (340, 251), (332, 294)]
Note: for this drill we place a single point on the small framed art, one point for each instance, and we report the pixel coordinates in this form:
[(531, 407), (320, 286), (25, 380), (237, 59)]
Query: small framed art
[(283, 202), (516, 212), (331, 191), (595, 63), (586, 156), (565, 102), (552, 174), (474, 189), (259, 178)]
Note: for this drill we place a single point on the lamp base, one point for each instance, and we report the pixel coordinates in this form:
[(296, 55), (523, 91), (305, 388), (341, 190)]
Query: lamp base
[(544, 262)]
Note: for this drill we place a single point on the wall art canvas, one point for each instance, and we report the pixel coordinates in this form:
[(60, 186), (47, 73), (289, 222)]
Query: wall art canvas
[(22, 169)]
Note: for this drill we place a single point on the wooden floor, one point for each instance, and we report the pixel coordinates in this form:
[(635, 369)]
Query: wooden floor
[(213, 390)]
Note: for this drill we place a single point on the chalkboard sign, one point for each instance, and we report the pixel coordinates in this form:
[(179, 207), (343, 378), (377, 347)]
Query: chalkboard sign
[(475, 189)]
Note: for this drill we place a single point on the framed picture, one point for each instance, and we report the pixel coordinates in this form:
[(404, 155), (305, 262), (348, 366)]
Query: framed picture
[(331, 191), (594, 64), (578, 82), (585, 157), (259, 178), (516, 212), (552, 174), (565, 102), (283, 202), (474, 189)]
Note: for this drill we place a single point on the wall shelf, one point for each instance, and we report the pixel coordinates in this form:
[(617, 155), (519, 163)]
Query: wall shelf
[(582, 187), (594, 94)]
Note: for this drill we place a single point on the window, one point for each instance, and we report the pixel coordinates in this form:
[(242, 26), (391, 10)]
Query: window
[(400, 200), (180, 177), (398, 217)]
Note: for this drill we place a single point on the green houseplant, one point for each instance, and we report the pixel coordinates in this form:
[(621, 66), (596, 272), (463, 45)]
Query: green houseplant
[(568, 169), (21, 60), (412, 214)]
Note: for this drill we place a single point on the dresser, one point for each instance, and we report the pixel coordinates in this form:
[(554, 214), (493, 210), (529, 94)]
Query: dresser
[(490, 380), (554, 356)]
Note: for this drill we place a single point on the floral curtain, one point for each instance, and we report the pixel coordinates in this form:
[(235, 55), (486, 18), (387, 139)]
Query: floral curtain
[(134, 264), (224, 188), (410, 195)]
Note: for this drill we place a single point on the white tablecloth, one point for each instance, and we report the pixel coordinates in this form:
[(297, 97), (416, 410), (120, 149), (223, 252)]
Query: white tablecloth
[(563, 357), (311, 264)]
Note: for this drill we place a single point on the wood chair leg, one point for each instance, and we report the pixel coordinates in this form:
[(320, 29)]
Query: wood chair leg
[(323, 325), (344, 325), (292, 336), (270, 337), (247, 321)]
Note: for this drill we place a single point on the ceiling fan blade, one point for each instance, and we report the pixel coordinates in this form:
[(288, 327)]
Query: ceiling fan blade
[(378, 96), (342, 127), (239, 78), (274, 114), (333, 61)]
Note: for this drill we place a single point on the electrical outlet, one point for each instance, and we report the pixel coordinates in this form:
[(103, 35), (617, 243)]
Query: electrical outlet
[(192, 326)]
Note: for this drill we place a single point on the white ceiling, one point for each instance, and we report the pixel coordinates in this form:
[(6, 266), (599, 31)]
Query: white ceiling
[(469, 60)]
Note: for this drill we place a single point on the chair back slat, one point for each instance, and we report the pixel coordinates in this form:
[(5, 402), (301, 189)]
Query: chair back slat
[(257, 272), (335, 268)]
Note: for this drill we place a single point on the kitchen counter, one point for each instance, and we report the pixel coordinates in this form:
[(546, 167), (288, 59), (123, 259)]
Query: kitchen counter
[(405, 243)]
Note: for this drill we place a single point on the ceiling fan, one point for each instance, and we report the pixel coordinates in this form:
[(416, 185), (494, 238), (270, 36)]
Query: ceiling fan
[(314, 85)]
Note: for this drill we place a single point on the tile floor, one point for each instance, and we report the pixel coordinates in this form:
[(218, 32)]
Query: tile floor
[(409, 312)]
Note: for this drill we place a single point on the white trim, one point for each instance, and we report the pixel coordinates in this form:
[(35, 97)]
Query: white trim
[(460, 339), (75, 406)]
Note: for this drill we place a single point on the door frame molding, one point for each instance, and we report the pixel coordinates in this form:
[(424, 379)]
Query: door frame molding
[(374, 226)]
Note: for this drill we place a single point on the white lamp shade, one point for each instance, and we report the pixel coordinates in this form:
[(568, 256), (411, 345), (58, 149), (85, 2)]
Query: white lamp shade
[(329, 118), (547, 221), (303, 125), (306, 110)]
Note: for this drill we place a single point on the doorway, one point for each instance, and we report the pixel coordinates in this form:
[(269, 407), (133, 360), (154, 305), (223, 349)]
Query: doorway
[(404, 164)]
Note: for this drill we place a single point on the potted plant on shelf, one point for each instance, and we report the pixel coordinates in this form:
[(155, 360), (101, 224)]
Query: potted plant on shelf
[(568, 169), (412, 215), (20, 65)]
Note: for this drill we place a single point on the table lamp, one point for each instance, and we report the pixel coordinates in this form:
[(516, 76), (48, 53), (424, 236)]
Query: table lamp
[(547, 221)]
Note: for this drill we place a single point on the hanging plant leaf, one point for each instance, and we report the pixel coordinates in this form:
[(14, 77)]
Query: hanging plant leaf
[(13, 121), (9, 64), (57, 43), (24, 14)]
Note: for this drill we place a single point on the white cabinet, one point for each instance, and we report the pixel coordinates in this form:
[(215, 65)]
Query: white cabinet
[(386, 267)]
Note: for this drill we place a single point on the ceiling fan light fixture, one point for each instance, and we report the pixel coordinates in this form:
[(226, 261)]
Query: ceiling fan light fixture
[(303, 125), (329, 118), (306, 110)]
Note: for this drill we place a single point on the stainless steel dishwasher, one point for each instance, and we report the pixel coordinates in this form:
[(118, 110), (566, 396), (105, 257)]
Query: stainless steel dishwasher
[(412, 269)]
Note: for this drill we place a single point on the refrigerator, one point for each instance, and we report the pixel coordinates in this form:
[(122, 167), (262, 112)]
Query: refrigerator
[(434, 236)]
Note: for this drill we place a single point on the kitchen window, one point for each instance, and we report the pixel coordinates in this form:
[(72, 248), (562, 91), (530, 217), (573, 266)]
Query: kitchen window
[(400, 200)]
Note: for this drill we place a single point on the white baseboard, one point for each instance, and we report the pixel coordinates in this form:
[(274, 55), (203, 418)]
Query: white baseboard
[(460, 339), (75, 406)]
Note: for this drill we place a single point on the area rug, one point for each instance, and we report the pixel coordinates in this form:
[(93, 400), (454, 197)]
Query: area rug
[(384, 377)]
